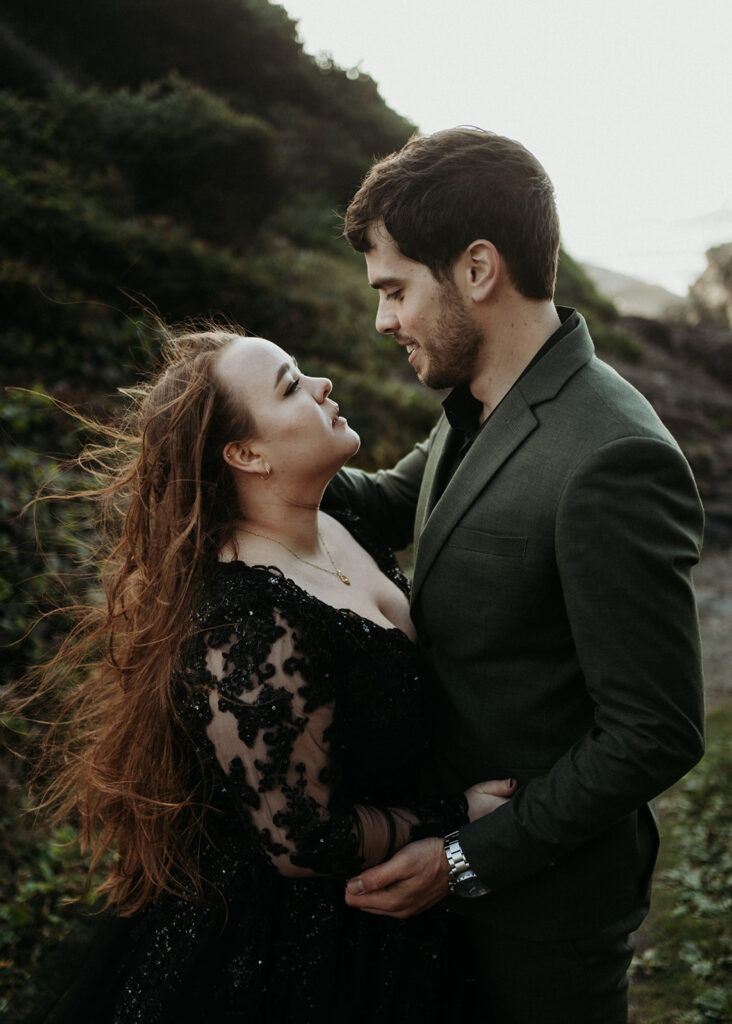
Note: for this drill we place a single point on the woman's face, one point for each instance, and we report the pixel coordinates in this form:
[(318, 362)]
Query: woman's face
[(297, 425)]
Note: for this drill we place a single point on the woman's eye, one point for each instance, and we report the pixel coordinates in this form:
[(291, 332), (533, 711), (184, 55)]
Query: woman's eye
[(394, 295), (292, 387)]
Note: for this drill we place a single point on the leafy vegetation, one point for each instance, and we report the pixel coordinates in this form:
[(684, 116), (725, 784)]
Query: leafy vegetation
[(187, 157), (43, 881), (683, 972)]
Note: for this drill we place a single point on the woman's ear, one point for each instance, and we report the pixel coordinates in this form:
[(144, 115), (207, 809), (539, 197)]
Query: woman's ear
[(483, 269), (242, 457)]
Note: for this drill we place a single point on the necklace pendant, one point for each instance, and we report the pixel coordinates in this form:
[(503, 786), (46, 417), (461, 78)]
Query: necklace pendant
[(343, 578)]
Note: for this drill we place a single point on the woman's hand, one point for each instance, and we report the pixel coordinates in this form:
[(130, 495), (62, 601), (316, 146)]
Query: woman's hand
[(485, 797)]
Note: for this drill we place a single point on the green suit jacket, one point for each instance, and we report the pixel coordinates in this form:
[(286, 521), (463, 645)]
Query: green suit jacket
[(552, 597)]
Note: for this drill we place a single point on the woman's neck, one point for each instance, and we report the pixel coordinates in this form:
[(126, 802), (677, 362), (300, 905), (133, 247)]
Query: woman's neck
[(297, 524)]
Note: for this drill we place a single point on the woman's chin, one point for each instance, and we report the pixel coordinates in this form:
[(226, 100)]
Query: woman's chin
[(347, 454), (356, 442)]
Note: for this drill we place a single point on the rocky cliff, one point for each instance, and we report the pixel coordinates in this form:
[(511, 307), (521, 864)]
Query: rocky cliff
[(710, 298), (686, 373)]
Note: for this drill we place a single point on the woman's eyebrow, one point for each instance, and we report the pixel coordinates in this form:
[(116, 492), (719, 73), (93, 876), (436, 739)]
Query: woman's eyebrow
[(284, 368)]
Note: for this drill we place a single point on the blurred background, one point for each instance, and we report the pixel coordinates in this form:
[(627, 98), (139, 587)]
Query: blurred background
[(183, 158)]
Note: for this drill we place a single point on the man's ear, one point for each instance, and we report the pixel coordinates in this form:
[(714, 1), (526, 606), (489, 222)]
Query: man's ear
[(482, 267), (240, 456)]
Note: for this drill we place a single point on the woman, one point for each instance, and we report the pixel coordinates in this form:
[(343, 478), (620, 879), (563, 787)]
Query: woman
[(253, 734)]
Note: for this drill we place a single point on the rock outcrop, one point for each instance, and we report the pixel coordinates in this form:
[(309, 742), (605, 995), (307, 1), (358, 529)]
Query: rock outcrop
[(710, 297), (686, 374)]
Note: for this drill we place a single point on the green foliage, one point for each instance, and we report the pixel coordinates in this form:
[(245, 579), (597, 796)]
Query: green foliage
[(177, 150), (43, 886), (575, 288), (685, 973), (41, 552), (329, 122), (614, 343), (42, 549)]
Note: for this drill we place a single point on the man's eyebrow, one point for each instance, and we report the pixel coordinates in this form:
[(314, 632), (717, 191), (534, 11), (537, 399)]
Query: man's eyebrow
[(385, 282), (284, 368)]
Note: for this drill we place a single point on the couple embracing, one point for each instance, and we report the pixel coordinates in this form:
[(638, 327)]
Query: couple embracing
[(281, 717)]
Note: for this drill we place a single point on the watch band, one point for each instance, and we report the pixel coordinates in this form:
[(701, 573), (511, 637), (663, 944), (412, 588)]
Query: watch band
[(456, 859), (462, 880)]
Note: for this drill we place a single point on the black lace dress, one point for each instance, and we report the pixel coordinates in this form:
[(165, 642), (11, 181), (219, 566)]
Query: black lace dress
[(313, 723)]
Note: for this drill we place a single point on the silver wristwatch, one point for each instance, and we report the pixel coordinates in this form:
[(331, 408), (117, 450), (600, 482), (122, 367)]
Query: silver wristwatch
[(463, 881)]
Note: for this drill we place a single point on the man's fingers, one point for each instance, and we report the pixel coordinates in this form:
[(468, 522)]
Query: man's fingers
[(381, 876), (381, 900), (373, 879), (394, 902)]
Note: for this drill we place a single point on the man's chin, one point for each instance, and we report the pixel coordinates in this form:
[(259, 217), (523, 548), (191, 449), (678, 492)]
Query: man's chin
[(437, 381)]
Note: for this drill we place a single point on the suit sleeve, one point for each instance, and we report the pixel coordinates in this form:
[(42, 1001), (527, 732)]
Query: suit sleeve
[(387, 499), (628, 532)]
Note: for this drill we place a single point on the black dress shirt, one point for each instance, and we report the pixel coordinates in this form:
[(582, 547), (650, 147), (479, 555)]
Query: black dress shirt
[(463, 409)]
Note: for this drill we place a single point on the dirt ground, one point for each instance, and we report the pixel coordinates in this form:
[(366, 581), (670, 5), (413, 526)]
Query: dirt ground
[(713, 581)]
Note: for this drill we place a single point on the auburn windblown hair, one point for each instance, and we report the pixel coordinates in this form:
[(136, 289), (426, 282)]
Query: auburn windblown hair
[(115, 760)]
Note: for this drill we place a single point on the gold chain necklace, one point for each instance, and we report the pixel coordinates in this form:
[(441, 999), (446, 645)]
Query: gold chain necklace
[(335, 571)]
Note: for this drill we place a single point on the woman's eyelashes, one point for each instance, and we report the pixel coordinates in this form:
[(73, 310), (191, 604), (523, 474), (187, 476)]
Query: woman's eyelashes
[(292, 386)]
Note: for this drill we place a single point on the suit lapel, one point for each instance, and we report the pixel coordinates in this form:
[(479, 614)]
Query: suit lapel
[(439, 451), (502, 434), (506, 429)]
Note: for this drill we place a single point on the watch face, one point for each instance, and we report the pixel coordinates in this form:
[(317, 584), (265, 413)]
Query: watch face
[(471, 887)]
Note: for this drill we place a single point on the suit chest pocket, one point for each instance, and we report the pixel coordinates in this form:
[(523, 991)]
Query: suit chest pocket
[(464, 539), (475, 592)]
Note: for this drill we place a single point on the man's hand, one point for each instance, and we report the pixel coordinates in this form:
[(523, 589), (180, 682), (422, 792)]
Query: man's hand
[(412, 881)]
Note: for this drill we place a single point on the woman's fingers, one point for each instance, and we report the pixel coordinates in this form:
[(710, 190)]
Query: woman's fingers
[(498, 787), (486, 797)]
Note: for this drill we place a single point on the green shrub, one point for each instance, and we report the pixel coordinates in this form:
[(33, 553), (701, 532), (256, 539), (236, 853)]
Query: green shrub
[(684, 973)]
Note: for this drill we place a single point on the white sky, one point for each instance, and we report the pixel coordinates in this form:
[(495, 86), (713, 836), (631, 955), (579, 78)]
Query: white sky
[(627, 103)]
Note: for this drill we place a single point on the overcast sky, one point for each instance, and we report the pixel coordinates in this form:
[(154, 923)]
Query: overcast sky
[(628, 104)]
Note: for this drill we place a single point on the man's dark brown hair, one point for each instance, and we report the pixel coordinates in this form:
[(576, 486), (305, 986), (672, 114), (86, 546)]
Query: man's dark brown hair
[(440, 192)]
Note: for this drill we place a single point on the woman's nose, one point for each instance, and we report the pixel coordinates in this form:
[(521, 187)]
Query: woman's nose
[(323, 388)]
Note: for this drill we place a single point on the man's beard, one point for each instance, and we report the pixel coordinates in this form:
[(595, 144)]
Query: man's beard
[(454, 343)]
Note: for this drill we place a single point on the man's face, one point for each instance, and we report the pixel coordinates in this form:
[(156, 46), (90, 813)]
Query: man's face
[(429, 318)]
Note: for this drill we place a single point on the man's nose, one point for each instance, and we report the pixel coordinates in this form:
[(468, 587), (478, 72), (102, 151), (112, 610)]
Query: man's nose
[(386, 320)]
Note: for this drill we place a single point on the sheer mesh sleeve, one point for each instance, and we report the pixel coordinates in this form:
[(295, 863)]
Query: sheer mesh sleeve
[(267, 712)]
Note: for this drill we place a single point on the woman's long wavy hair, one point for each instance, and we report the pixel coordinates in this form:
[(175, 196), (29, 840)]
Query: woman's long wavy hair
[(116, 759)]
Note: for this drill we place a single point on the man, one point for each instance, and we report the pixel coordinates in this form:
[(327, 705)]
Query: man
[(556, 524)]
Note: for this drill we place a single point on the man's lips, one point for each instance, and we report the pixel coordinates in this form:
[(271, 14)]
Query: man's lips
[(411, 347)]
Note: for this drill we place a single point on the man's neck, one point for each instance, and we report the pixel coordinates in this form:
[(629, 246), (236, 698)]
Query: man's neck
[(513, 338)]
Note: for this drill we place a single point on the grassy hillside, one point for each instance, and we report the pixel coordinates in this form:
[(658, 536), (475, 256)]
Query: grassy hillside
[(189, 154)]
